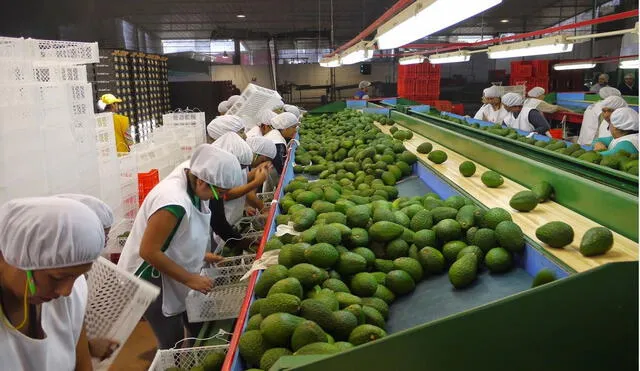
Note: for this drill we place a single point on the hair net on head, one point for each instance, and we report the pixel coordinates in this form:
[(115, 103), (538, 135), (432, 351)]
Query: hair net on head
[(492, 92), (102, 210), (224, 124), (265, 116), (224, 106), (512, 99), (284, 120), (629, 76), (48, 233), (292, 109), (216, 166), (364, 84), (613, 102), (234, 144), (536, 92), (608, 91), (262, 146), (279, 105), (233, 100), (625, 118)]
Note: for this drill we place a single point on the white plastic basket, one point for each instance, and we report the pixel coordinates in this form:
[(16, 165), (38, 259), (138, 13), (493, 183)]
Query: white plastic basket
[(71, 52), (117, 301), (185, 359), (254, 99), (12, 48), (15, 71), (54, 73), (226, 298)]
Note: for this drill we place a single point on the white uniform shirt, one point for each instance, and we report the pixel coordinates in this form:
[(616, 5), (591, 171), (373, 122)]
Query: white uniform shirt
[(632, 138), (487, 113), (590, 124), (522, 122)]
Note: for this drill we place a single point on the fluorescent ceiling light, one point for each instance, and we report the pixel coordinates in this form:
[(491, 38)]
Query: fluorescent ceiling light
[(630, 64), (357, 53), (241, 16), (330, 62), (504, 21), (425, 17), (414, 59), (547, 45), (455, 57), (584, 65)]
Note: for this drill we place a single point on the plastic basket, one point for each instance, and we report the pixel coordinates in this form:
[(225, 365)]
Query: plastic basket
[(12, 48), (185, 359), (15, 71), (254, 99), (117, 301), (53, 73), (63, 51), (226, 298), (146, 182)]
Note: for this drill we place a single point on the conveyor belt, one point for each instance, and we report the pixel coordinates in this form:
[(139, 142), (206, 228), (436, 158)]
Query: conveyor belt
[(624, 249)]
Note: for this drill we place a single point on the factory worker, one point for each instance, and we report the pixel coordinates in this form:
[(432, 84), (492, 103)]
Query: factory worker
[(523, 118), (608, 106), (591, 117), (264, 117), (102, 210), (293, 109), (363, 89), (279, 107), (47, 244), (492, 110), (225, 124), (603, 80), (109, 103), (536, 100), (234, 200), (280, 130), (624, 133), (169, 237), (223, 107), (233, 100), (629, 86), (264, 150)]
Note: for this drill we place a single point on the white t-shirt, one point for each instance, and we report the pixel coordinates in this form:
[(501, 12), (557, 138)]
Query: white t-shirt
[(61, 321), (487, 113)]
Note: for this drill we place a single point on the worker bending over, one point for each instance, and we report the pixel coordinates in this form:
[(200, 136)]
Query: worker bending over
[(363, 90), (523, 118), (624, 133), (225, 124), (536, 100), (591, 117), (492, 110)]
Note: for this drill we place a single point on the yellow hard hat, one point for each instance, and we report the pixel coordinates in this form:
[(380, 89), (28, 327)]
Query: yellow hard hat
[(110, 99)]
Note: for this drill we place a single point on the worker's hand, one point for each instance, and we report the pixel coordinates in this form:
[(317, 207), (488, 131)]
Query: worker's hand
[(102, 348), (212, 258), (261, 175), (200, 283), (599, 146), (251, 211)]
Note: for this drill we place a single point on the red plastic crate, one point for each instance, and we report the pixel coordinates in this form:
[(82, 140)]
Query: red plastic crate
[(521, 69), (540, 68), (556, 133), (458, 109), (146, 182)]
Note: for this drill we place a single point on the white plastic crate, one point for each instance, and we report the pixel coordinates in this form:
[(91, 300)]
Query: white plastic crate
[(226, 298), (254, 99), (12, 48), (117, 301), (118, 235), (71, 52), (185, 359), (55, 73), (15, 71)]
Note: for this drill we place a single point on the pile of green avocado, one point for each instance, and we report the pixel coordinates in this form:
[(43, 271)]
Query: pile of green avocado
[(621, 161), (359, 246)]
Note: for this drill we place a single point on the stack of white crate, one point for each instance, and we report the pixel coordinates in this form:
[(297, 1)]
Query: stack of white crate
[(189, 128), (47, 126)]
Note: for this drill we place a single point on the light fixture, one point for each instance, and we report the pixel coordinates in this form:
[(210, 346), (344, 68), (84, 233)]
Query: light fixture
[(414, 59), (425, 17), (504, 21), (582, 65), (330, 62), (547, 45), (360, 52), (241, 16), (455, 57), (629, 64)]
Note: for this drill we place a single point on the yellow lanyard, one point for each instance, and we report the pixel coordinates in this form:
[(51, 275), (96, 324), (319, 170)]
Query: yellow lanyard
[(26, 310)]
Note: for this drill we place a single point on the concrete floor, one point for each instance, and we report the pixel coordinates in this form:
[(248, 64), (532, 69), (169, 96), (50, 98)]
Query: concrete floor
[(138, 352)]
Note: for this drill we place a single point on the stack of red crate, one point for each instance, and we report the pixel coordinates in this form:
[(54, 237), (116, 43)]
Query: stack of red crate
[(530, 73), (419, 82)]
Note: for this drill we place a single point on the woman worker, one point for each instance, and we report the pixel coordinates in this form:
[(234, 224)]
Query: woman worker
[(109, 103), (223, 107), (363, 90), (624, 133), (536, 100), (492, 110), (608, 105), (170, 235), (47, 244), (264, 117), (523, 118), (280, 130), (225, 124), (591, 117)]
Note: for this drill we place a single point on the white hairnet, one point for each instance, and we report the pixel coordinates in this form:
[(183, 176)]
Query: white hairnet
[(613, 102), (265, 116), (48, 233), (253, 132), (102, 210), (629, 76), (284, 120), (292, 109), (224, 124), (364, 84), (216, 166), (492, 92), (262, 146), (234, 144), (233, 100), (625, 118), (512, 99), (279, 105), (224, 106), (536, 92), (608, 91)]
